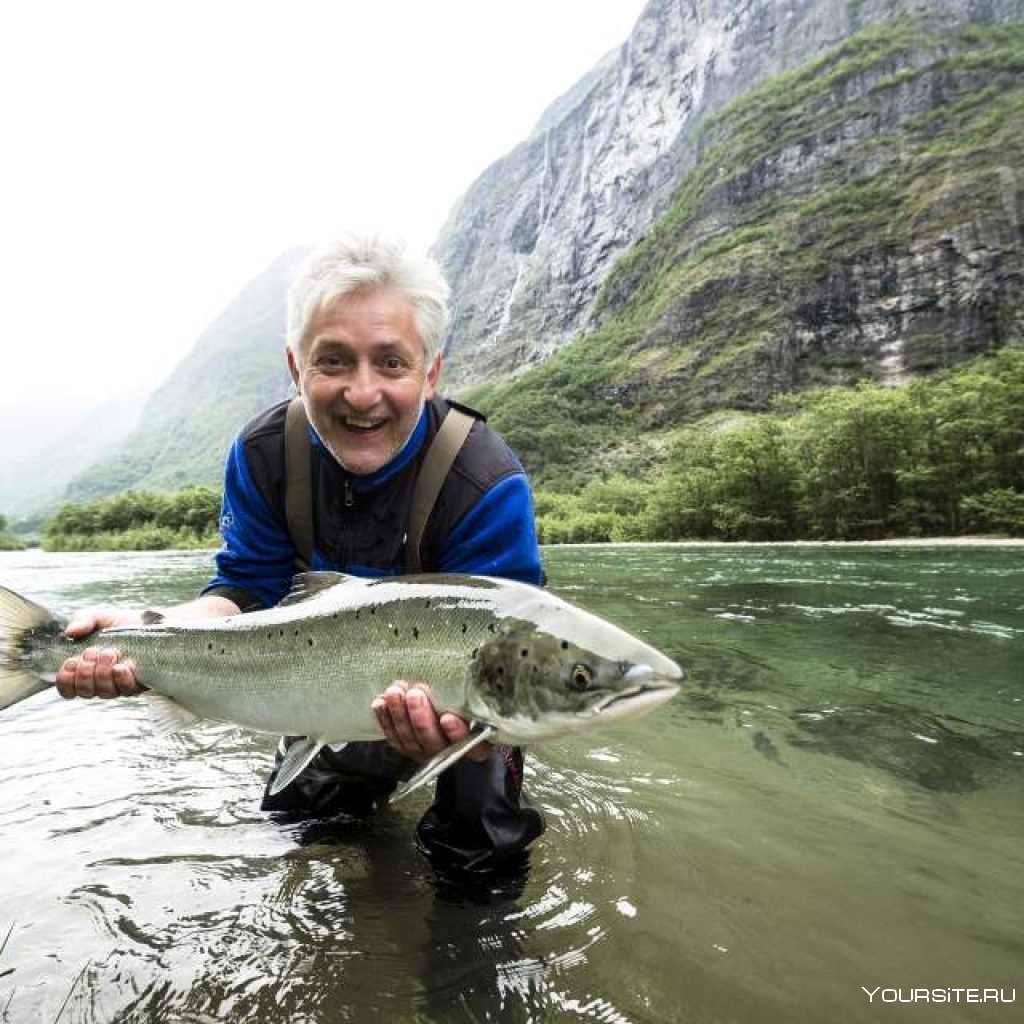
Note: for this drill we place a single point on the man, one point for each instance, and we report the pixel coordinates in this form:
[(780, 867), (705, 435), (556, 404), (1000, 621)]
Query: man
[(365, 323)]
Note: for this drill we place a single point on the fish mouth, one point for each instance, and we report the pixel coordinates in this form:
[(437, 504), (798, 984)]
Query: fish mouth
[(645, 689)]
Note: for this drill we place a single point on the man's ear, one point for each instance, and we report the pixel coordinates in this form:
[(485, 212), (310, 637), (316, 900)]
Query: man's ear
[(433, 375), (293, 367)]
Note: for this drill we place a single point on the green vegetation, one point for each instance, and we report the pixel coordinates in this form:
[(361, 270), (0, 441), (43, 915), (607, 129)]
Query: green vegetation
[(8, 542), (137, 521), (941, 456)]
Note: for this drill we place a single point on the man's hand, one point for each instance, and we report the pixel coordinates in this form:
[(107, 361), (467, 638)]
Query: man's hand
[(98, 672), (411, 724)]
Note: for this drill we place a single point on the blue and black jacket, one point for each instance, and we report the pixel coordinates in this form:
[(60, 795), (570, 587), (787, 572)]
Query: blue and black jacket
[(481, 523)]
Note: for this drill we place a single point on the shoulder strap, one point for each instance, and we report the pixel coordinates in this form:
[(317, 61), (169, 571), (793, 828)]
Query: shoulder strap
[(298, 487), (440, 458)]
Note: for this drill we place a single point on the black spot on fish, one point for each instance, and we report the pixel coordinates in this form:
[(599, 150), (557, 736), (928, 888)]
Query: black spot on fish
[(415, 633), (309, 640), (565, 645), (396, 631), (209, 647), (524, 653), (491, 627), (464, 627)]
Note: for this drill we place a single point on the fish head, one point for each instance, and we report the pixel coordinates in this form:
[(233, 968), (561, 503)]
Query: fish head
[(551, 668)]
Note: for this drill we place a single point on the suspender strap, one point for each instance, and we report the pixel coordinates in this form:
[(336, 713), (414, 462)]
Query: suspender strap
[(298, 489), (440, 458), (298, 494)]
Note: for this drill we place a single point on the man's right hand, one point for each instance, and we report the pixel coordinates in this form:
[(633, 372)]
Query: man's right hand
[(98, 671)]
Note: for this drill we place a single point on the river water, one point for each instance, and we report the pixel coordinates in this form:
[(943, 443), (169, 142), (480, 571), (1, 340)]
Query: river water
[(834, 804)]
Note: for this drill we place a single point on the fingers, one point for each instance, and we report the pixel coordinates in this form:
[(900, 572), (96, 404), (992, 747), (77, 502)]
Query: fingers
[(82, 624), (88, 620), (411, 723), (97, 672)]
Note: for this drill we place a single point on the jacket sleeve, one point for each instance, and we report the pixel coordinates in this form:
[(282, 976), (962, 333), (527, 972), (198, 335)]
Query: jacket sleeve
[(256, 560), (497, 537)]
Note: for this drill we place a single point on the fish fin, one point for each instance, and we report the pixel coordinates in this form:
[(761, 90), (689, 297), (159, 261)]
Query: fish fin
[(167, 716), (445, 759), (151, 617), (295, 760), (21, 622), (308, 584)]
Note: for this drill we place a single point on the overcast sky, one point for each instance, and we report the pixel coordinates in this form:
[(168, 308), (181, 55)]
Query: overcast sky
[(156, 155)]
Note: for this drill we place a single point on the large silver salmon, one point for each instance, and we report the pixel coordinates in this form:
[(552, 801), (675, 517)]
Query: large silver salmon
[(520, 663)]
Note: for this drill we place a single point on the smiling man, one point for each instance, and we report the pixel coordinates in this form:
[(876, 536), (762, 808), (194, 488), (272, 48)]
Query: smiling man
[(336, 479)]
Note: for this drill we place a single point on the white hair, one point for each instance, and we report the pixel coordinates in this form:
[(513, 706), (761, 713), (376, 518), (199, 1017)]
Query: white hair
[(359, 263)]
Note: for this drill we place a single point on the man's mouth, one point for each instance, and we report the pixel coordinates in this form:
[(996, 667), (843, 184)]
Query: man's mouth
[(361, 426)]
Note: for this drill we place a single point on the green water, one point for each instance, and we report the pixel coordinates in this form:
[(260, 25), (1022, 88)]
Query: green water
[(835, 802)]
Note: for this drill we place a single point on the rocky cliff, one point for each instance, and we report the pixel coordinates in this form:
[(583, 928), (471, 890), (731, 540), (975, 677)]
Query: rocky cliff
[(532, 241)]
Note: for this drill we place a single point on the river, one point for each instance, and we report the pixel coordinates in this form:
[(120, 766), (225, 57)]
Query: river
[(828, 818)]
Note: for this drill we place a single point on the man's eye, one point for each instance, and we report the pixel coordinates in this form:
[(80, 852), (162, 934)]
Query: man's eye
[(394, 363)]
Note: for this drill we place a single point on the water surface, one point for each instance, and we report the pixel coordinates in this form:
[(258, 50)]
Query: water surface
[(836, 801)]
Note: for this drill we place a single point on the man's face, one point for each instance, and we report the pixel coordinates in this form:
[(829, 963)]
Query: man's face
[(364, 377)]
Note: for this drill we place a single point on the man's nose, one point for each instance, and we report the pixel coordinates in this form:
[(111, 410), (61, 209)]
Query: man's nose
[(362, 389)]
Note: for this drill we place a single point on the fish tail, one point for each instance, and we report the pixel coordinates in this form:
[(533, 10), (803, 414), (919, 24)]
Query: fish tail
[(25, 628)]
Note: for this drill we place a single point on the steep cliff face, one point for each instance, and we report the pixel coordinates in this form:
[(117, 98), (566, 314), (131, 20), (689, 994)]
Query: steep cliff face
[(859, 218), (532, 241)]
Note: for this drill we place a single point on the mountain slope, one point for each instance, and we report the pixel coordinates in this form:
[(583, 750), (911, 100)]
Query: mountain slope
[(236, 368)]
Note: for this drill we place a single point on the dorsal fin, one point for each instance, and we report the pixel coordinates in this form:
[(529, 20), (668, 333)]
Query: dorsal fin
[(308, 584)]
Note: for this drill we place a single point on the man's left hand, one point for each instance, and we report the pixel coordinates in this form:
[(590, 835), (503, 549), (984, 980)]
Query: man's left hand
[(412, 725)]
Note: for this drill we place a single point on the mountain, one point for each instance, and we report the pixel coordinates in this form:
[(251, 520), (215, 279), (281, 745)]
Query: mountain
[(747, 199), (858, 217), (235, 368), (529, 246)]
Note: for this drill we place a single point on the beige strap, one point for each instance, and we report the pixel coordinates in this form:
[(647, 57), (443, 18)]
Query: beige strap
[(440, 458), (298, 488)]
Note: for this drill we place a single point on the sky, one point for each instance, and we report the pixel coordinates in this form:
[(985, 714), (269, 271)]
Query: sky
[(157, 155)]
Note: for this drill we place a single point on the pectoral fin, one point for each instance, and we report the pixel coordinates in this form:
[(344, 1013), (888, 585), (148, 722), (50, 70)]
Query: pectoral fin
[(445, 759), (167, 716), (296, 758)]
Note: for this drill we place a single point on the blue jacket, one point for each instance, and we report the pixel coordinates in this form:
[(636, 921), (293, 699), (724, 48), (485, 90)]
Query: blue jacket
[(482, 522)]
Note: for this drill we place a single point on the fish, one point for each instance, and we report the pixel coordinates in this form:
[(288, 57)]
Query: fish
[(518, 662)]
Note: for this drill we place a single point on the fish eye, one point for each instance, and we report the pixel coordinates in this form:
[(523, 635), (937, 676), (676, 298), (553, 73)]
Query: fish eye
[(581, 677)]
